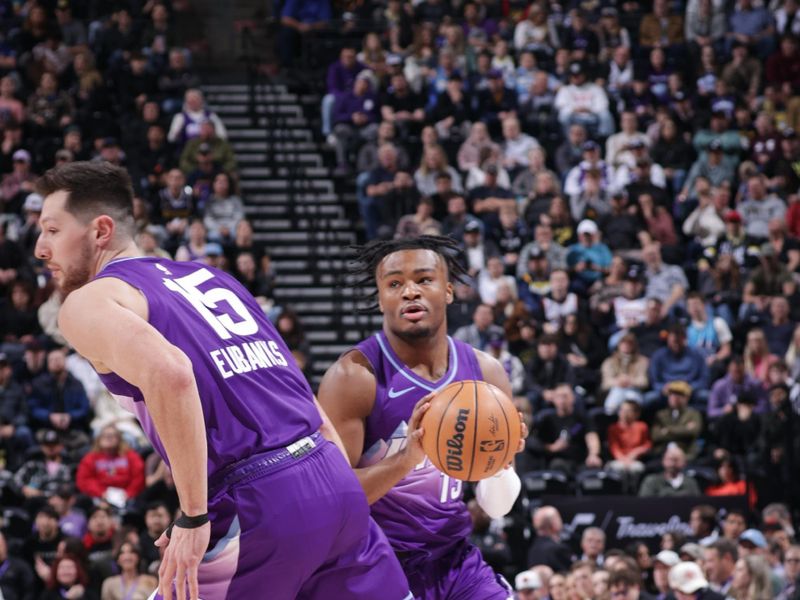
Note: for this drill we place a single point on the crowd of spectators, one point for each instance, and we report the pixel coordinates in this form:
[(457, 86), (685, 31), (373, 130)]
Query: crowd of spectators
[(623, 178)]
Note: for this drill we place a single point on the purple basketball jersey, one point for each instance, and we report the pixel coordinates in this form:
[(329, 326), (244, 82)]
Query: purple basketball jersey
[(254, 397), (424, 515)]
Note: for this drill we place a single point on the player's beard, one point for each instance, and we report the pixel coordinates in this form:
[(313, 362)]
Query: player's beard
[(78, 275), (417, 333)]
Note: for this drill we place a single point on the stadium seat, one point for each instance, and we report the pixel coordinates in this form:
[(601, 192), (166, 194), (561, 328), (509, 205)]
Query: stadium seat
[(545, 482)]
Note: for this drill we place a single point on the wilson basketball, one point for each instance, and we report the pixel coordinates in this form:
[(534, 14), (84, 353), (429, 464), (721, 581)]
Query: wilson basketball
[(471, 430)]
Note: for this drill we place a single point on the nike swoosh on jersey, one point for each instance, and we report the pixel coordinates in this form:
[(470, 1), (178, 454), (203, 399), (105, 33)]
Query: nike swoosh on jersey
[(395, 394)]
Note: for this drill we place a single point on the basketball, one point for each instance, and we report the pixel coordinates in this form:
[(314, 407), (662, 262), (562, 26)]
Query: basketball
[(471, 430)]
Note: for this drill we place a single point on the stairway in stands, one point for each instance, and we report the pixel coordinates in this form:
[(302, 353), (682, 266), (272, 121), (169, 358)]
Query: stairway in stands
[(296, 209)]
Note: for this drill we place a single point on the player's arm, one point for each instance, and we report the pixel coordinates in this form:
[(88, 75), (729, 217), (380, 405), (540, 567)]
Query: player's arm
[(328, 431), (106, 322), (496, 495), (347, 395)]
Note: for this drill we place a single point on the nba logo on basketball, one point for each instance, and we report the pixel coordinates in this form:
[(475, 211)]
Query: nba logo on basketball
[(493, 445)]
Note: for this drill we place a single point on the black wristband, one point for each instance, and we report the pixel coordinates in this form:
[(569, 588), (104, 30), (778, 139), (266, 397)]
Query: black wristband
[(187, 522)]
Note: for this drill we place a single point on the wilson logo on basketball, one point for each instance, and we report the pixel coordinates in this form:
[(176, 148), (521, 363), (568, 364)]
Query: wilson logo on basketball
[(455, 445), (492, 445)]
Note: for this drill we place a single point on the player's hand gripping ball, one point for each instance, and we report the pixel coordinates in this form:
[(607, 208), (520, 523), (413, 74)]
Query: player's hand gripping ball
[(471, 430)]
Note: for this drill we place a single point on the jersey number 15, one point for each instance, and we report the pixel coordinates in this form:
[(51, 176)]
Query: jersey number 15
[(204, 302)]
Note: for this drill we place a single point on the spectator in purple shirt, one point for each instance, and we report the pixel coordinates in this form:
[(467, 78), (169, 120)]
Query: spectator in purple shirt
[(341, 77), (725, 391), (355, 117)]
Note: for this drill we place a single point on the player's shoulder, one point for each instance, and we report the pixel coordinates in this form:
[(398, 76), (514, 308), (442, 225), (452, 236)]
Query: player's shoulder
[(491, 369), (104, 289), (351, 376), (352, 366)]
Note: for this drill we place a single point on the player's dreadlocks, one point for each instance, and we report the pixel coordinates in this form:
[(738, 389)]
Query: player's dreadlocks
[(369, 256)]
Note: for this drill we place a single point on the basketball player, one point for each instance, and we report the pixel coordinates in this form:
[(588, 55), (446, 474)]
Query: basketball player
[(376, 395), (270, 509)]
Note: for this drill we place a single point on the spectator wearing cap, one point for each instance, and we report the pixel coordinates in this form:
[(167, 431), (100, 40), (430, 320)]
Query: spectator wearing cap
[(497, 102), (528, 586), (16, 185), (583, 102), (214, 255), (720, 128), (15, 435), (219, 148), (662, 563), (589, 258), (402, 106), (668, 283), (477, 250), (735, 243), (555, 253), (592, 200), (760, 207), (624, 374), (548, 368), (492, 194), (40, 548), (618, 146), (58, 400), (575, 180), (547, 548), (508, 234), (534, 281), (660, 29), (43, 474), (481, 330), (673, 481), (779, 445), (678, 423), (735, 431), (712, 166), (719, 560), (687, 581), (734, 384)]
